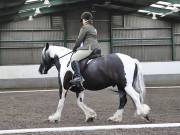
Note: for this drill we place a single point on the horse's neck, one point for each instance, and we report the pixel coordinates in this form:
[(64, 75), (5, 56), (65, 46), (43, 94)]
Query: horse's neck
[(58, 51), (61, 53)]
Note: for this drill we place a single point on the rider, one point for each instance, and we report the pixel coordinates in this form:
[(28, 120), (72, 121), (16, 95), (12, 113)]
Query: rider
[(84, 45)]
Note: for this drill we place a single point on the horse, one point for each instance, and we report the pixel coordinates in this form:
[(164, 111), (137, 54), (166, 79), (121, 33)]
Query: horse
[(114, 69)]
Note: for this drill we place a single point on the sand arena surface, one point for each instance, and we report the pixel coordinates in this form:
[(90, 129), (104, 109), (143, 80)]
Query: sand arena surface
[(31, 110)]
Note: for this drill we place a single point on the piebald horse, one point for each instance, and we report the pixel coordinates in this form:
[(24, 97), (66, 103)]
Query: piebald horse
[(111, 70)]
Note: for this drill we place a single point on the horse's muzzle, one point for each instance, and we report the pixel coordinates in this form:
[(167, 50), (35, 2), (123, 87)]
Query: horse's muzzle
[(42, 70)]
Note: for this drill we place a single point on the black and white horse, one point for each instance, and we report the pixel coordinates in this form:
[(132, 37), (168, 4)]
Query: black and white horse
[(111, 70)]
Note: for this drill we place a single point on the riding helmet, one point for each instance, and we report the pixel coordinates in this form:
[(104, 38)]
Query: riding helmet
[(86, 16)]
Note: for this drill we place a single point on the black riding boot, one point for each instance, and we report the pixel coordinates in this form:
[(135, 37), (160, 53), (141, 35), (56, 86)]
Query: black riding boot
[(77, 75)]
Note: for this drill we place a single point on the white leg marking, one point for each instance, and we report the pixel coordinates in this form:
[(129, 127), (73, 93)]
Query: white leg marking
[(89, 113), (118, 116), (57, 115), (142, 109)]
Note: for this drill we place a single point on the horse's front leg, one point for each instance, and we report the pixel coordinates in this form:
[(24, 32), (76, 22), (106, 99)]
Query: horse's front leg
[(62, 96), (57, 115), (89, 113)]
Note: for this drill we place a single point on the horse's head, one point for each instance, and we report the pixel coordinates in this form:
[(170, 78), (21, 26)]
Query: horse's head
[(46, 61)]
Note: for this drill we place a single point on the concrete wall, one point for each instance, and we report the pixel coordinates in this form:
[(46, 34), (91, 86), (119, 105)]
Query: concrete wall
[(161, 73), (28, 77)]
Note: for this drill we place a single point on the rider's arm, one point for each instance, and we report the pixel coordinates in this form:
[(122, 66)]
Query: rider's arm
[(80, 38)]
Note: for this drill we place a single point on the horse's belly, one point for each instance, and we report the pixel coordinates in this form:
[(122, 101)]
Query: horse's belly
[(97, 82), (96, 85)]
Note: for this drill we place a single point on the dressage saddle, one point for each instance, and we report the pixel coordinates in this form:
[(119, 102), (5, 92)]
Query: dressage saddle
[(84, 62)]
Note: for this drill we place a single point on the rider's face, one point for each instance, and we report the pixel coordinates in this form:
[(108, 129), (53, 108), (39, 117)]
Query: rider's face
[(84, 21)]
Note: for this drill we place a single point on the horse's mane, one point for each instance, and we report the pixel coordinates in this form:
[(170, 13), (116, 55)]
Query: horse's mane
[(58, 50)]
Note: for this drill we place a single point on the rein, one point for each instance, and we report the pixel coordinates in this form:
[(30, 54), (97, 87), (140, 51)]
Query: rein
[(65, 54)]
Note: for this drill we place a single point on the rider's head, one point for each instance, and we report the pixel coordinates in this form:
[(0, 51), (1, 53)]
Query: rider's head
[(86, 17)]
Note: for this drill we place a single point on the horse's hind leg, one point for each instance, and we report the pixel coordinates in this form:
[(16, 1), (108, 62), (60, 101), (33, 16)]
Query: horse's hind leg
[(89, 113), (118, 115), (142, 109)]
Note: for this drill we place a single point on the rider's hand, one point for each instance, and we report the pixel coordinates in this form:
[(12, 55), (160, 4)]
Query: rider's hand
[(74, 49)]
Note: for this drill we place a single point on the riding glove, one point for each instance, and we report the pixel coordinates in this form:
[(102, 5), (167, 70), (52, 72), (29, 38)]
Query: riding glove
[(74, 49)]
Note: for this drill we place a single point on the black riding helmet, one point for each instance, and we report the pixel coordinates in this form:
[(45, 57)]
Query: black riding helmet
[(87, 16)]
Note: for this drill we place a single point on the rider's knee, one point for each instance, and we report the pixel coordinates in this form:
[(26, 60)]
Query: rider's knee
[(74, 63)]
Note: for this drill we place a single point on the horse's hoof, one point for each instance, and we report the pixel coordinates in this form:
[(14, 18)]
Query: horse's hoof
[(147, 117), (56, 121), (90, 119), (53, 120), (113, 119)]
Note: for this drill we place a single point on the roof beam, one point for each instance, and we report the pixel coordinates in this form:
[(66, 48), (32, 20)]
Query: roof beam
[(38, 4), (157, 10), (115, 7), (163, 10), (134, 4), (48, 10), (172, 1)]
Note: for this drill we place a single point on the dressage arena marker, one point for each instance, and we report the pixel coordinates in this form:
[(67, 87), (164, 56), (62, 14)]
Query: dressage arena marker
[(33, 91), (89, 128)]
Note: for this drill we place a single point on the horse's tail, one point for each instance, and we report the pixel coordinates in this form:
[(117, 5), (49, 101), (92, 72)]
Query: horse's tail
[(138, 83)]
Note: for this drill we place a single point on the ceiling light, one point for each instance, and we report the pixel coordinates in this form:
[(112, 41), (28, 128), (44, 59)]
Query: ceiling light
[(157, 6), (30, 1), (173, 8), (30, 18), (154, 16), (37, 11), (46, 2), (176, 5), (107, 2), (143, 11), (176, 9), (164, 3)]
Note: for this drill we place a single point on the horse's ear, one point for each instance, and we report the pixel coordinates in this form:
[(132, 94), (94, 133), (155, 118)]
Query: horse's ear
[(47, 46)]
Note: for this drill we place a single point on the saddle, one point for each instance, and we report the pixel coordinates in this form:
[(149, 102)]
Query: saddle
[(84, 62)]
